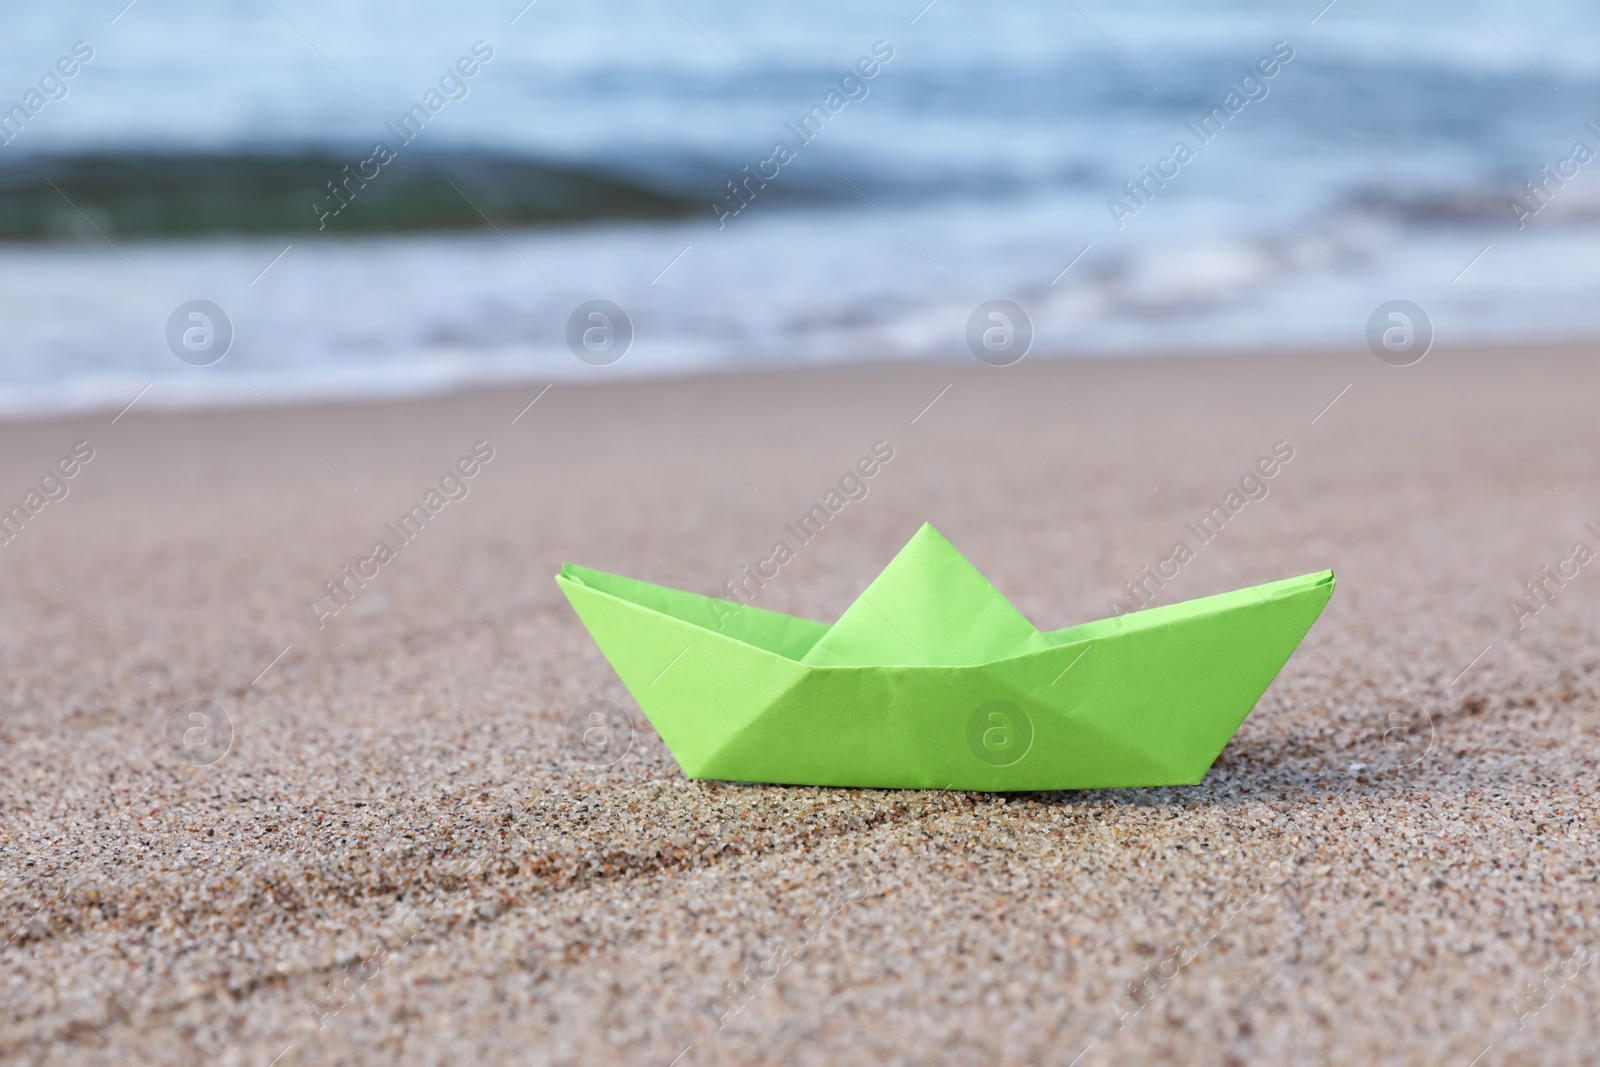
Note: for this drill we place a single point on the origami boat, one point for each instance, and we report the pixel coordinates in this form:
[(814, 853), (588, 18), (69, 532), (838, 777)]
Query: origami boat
[(931, 679)]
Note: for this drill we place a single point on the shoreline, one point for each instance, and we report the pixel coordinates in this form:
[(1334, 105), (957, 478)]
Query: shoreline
[(244, 395)]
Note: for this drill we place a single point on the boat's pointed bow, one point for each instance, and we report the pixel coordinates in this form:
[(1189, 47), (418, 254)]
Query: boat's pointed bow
[(1203, 665), (698, 686)]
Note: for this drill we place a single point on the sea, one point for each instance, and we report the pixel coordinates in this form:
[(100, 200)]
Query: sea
[(398, 198)]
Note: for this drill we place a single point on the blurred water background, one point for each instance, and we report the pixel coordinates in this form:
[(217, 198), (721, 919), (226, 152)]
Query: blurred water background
[(589, 152)]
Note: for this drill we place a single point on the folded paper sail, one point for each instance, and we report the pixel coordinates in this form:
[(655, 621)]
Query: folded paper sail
[(931, 679)]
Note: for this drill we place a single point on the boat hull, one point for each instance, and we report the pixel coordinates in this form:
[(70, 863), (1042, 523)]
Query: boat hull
[(1146, 699)]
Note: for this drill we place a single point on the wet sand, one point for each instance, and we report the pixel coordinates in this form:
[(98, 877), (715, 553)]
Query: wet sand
[(403, 855)]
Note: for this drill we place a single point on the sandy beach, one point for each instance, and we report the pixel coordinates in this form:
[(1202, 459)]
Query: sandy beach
[(394, 849)]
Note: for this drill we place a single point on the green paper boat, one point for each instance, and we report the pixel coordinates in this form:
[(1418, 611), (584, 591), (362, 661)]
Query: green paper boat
[(931, 679)]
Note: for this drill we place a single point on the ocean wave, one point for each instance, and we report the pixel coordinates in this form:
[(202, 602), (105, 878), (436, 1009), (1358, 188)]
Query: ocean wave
[(187, 194), (1468, 206)]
